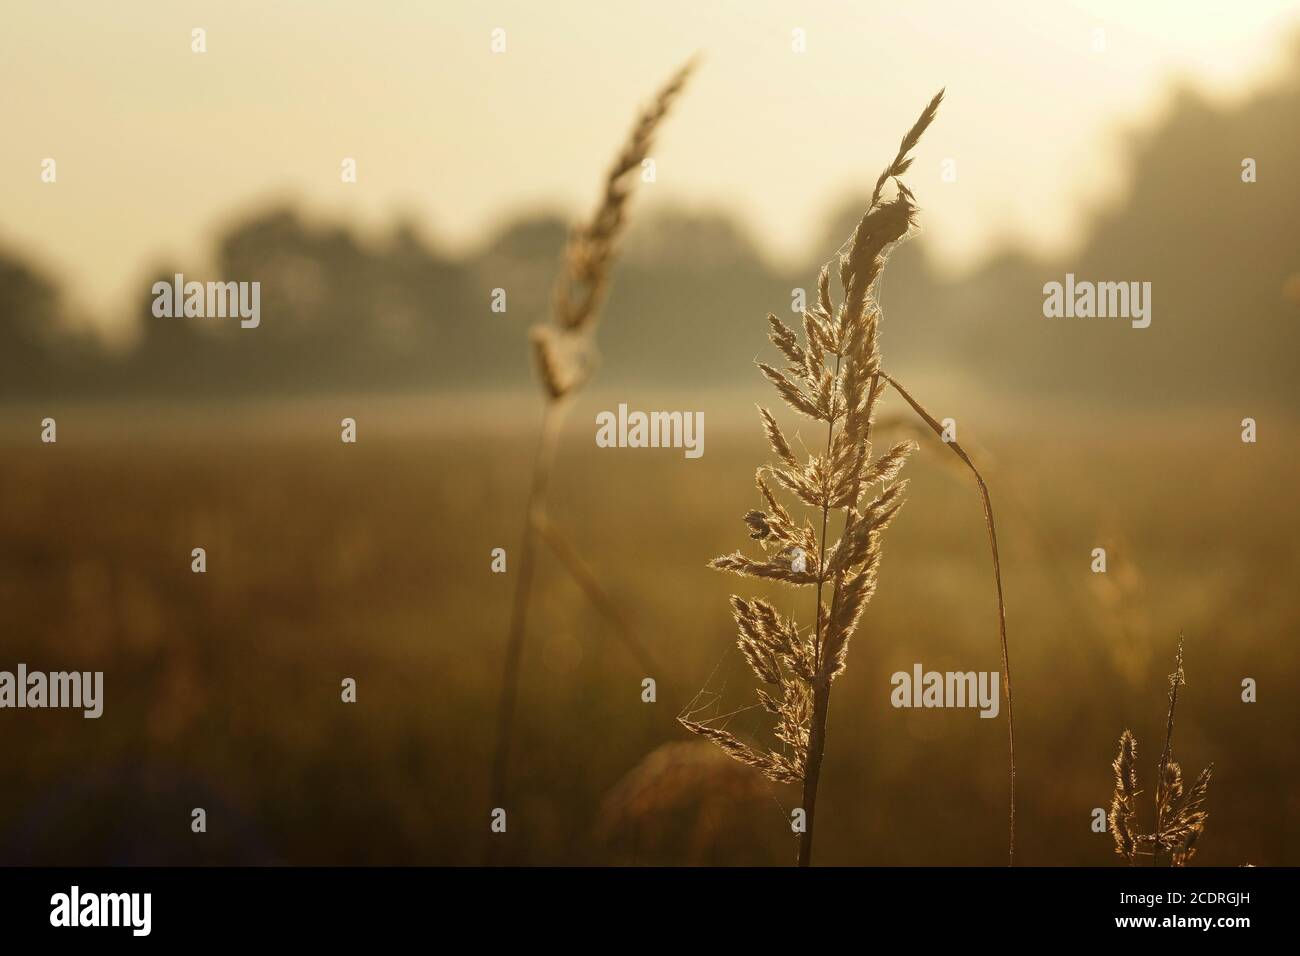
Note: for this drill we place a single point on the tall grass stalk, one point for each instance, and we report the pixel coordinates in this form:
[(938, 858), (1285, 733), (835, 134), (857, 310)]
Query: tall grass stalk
[(799, 662), (564, 355)]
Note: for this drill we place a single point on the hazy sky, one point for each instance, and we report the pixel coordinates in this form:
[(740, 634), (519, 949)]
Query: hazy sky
[(157, 146)]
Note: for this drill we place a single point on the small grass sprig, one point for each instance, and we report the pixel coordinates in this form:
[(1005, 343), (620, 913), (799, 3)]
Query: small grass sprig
[(1180, 813)]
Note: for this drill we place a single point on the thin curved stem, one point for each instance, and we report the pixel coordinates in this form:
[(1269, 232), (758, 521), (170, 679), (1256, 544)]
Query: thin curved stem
[(997, 578), (586, 579)]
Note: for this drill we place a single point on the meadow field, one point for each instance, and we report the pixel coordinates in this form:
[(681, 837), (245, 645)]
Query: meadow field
[(372, 561)]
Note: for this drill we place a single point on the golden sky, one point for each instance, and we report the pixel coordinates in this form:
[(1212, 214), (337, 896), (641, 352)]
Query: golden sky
[(158, 146)]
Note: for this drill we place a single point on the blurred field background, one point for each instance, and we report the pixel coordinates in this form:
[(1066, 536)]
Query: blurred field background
[(328, 560), (371, 561)]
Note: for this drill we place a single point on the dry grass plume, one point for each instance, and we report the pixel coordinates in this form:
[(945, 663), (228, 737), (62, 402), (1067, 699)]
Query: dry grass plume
[(833, 376)]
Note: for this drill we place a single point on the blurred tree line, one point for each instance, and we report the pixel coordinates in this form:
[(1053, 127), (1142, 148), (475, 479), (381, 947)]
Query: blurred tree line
[(689, 300)]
